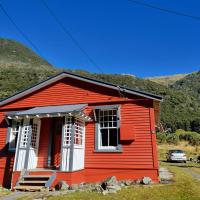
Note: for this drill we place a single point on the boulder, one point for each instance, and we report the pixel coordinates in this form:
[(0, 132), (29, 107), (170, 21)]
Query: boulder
[(74, 187), (62, 185), (110, 181), (98, 189), (146, 180)]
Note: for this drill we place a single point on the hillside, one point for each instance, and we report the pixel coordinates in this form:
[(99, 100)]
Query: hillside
[(167, 80), (20, 68)]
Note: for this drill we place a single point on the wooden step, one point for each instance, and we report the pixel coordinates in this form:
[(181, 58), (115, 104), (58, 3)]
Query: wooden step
[(28, 188), (32, 181), (37, 176)]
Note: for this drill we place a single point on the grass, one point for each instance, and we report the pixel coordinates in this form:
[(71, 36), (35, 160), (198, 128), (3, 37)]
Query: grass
[(184, 187), (191, 151)]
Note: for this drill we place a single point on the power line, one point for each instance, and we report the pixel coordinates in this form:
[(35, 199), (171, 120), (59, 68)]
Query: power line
[(69, 35), (164, 9), (18, 29)]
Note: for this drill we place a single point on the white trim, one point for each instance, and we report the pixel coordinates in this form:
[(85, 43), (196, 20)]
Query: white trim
[(105, 125)]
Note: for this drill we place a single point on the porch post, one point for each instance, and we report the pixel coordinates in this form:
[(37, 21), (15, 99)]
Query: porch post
[(18, 145), (28, 145), (62, 141), (50, 143), (71, 154)]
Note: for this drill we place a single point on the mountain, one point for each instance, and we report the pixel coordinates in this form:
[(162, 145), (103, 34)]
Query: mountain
[(167, 80), (20, 68)]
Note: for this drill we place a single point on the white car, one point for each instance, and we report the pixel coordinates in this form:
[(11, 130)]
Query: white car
[(176, 155)]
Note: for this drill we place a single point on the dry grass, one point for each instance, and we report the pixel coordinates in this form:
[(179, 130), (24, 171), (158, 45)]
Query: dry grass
[(191, 151)]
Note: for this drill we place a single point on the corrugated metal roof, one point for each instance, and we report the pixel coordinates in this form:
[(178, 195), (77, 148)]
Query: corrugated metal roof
[(49, 110)]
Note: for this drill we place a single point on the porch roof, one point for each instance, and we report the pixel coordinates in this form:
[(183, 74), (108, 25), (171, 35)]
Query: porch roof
[(50, 111)]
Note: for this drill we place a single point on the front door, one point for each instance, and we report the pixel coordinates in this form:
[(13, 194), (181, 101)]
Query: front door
[(56, 143)]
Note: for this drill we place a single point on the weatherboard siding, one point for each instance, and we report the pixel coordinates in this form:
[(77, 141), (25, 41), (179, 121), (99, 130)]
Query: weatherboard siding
[(67, 91), (137, 154), (137, 159), (6, 157)]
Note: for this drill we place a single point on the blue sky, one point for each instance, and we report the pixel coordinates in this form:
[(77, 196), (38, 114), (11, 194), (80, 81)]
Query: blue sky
[(120, 36)]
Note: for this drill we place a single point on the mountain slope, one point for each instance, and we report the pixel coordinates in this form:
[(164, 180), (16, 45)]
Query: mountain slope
[(167, 80), (20, 68), (190, 84)]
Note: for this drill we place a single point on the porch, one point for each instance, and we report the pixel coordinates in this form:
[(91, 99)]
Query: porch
[(49, 139)]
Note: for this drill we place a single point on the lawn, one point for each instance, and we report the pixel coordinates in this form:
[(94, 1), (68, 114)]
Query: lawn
[(184, 187)]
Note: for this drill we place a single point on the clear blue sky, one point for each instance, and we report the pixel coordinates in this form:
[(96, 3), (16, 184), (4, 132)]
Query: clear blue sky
[(120, 36)]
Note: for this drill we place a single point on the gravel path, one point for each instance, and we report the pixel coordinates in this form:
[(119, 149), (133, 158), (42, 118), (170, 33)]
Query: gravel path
[(165, 174), (191, 172)]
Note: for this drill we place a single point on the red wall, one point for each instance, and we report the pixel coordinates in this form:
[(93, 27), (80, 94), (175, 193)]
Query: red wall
[(140, 155), (6, 157), (44, 142)]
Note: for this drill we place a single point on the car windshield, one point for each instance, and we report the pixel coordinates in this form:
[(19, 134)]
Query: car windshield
[(176, 151)]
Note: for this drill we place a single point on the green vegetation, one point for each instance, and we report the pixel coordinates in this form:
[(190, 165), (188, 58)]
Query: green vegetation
[(167, 80), (20, 68), (193, 138)]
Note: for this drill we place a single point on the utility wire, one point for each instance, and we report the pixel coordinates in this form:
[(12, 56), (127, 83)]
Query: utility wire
[(164, 9), (18, 29), (69, 35)]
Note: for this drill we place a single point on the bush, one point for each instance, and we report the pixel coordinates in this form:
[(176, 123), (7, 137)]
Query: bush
[(192, 137), (169, 138), (172, 138), (161, 138)]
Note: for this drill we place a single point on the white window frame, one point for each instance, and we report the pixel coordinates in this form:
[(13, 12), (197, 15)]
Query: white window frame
[(13, 132), (101, 125)]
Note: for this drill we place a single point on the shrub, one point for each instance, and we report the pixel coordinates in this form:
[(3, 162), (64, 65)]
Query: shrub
[(172, 138), (161, 138), (192, 137)]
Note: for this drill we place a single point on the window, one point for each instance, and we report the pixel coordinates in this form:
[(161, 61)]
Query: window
[(107, 129), (14, 131), (78, 134), (67, 131)]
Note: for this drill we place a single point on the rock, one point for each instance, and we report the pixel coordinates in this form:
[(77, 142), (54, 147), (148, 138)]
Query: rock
[(62, 185), (111, 181), (105, 192), (129, 182), (138, 181), (98, 189), (146, 180), (113, 188), (74, 187)]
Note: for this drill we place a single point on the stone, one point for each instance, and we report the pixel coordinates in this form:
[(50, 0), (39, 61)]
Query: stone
[(138, 181), (146, 180), (128, 182), (113, 187), (112, 180), (98, 189), (105, 192), (74, 187), (62, 185)]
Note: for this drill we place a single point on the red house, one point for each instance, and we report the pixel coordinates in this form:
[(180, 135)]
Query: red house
[(77, 129)]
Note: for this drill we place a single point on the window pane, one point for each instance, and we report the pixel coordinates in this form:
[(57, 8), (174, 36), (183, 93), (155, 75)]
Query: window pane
[(114, 112), (113, 137), (104, 137), (114, 124)]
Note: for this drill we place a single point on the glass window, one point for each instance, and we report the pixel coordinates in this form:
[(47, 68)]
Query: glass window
[(14, 131), (108, 129)]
